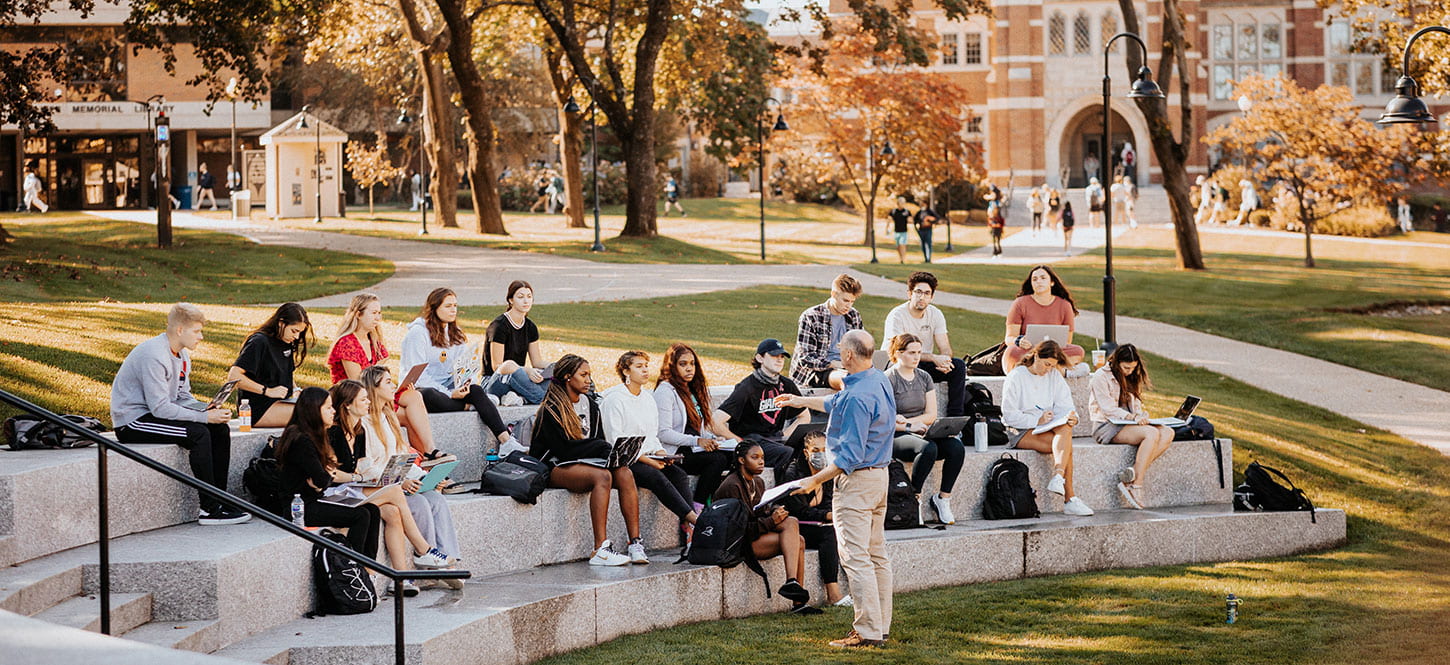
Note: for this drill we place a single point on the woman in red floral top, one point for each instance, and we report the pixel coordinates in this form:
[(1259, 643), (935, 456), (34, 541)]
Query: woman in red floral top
[(359, 346)]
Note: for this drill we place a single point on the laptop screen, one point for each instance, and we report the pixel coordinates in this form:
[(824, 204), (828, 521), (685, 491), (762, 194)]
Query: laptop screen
[(1189, 404)]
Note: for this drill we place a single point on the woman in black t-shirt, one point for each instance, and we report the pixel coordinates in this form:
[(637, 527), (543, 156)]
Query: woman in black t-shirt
[(309, 466), (263, 369), (513, 340)]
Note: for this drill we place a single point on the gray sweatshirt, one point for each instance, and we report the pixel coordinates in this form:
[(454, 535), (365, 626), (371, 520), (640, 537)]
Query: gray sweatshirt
[(154, 381)]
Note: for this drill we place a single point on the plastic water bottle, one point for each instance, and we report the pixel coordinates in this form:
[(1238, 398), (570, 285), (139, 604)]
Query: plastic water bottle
[(1232, 609), (491, 455), (298, 519), (244, 416), (979, 433)]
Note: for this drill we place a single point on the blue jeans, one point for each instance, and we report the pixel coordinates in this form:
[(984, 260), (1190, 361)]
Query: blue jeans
[(518, 382), (925, 235)]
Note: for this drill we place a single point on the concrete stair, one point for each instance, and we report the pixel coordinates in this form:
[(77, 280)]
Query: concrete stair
[(128, 611)]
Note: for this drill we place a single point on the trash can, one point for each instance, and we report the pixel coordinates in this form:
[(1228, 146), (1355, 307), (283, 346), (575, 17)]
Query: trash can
[(183, 194), (242, 204)]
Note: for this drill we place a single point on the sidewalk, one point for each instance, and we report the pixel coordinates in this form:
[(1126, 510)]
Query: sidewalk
[(480, 275), (1028, 247)]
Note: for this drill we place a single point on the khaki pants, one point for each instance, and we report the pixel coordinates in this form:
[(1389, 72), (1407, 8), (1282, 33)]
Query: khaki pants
[(860, 512)]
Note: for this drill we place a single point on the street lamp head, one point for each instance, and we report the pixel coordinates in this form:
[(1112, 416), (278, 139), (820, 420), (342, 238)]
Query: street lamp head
[(404, 118), (1144, 87), (1245, 104), (1406, 107), (232, 87), (305, 110), (571, 106), (887, 150), (780, 125)]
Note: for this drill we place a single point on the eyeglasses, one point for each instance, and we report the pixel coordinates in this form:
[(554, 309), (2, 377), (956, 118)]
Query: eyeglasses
[(919, 292)]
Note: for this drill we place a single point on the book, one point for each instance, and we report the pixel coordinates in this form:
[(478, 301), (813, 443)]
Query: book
[(467, 367)]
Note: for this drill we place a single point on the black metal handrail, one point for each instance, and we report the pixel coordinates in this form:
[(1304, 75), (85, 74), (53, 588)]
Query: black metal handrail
[(104, 444)]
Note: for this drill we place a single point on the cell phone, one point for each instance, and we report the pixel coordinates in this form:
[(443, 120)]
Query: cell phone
[(667, 458)]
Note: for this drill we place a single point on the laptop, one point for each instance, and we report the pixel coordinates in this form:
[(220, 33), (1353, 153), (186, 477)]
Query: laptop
[(393, 473), (1037, 332), (413, 374), (946, 427), (1178, 419), (624, 452), (221, 398), (797, 438)]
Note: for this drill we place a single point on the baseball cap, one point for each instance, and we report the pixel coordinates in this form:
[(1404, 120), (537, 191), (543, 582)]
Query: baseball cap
[(771, 347)]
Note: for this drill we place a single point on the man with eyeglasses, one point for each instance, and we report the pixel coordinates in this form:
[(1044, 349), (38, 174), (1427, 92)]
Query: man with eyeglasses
[(921, 318)]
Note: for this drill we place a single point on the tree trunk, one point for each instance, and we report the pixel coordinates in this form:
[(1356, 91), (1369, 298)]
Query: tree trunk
[(441, 138), (481, 134), (571, 131), (370, 201), (1308, 232), (1172, 152), (640, 202)]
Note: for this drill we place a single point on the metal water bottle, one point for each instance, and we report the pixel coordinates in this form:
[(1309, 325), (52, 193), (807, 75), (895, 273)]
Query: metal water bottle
[(1232, 607), (979, 433)]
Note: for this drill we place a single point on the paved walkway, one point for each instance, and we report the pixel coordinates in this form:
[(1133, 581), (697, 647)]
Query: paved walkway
[(480, 276), (1028, 247)]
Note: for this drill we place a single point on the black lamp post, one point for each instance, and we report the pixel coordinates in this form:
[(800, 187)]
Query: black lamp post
[(779, 126), (405, 119), (316, 159), (886, 151), (1143, 88), (1407, 107), (572, 106)]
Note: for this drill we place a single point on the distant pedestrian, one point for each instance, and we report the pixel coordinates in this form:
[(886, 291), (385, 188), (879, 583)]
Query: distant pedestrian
[(541, 193), (900, 219), (1054, 208), (1404, 216), (416, 181), (996, 223), (926, 219), (32, 189), (1067, 223), (1248, 202), (1095, 201), (672, 196), (1130, 161), (1036, 205), (1205, 200), (1130, 201), (234, 178), (205, 184), (552, 186)]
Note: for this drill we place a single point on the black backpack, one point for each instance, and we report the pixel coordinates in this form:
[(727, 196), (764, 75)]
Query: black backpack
[(987, 362), (341, 583), (263, 480), (518, 476), (979, 400), (1196, 429), (1009, 492), (1260, 492), (903, 510), (722, 538), (26, 432)]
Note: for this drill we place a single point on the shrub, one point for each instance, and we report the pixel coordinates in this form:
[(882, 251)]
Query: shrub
[(518, 189), (1260, 218), (707, 176), (807, 176), (1361, 221)]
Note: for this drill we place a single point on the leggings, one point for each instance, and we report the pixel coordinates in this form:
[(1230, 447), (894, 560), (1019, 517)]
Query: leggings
[(436, 401), (822, 537), (711, 467), (668, 485), (363, 523), (209, 446), (923, 455)]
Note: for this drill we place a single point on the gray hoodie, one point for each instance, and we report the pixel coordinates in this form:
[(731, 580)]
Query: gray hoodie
[(153, 380), (418, 348)]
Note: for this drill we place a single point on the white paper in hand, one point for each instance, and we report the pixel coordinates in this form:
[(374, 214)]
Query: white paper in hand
[(776, 492), (1048, 427)]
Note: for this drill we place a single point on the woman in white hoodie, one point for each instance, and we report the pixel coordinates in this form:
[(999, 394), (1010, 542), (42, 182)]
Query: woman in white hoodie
[(435, 339), (1034, 395), (629, 409)]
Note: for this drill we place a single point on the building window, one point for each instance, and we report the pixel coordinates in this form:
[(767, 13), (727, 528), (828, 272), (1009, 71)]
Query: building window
[(1240, 50), (1110, 28), (1223, 42), (1270, 45), (974, 125), (1057, 34), (950, 49), (972, 48), (1362, 73), (1082, 36)]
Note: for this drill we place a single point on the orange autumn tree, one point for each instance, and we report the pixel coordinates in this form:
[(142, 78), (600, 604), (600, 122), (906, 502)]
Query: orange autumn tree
[(864, 94), (1314, 143)]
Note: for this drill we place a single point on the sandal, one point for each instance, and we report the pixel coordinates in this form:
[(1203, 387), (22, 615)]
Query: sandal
[(1129, 496)]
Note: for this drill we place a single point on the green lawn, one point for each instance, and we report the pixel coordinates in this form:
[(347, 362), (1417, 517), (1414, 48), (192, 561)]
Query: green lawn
[(660, 249), (1266, 299), (76, 257)]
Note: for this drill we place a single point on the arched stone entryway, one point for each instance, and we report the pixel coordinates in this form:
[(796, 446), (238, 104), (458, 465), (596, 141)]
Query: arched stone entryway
[(1077, 130)]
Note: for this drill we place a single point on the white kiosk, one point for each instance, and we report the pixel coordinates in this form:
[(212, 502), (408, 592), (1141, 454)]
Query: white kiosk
[(296, 149)]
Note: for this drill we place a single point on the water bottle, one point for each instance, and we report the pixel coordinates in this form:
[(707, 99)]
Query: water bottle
[(491, 455), (979, 433), (298, 519), (244, 416), (1232, 609)]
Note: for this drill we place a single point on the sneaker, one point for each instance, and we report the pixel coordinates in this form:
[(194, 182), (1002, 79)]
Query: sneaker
[(794, 592), (493, 398), (845, 601), (1057, 485), (636, 553), (431, 559), (409, 589), (805, 610), (1078, 372), (1127, 475), (511, 399), (221, 516), (1127, 493), (453, 583), (1075, 506), (605, 556), (943, 508), (853, 640)]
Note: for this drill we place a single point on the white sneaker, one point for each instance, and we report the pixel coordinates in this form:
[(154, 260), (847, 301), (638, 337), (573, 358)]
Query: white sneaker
[(433, 558), (1075, 506), (636, 553), (1057, 485), (845, 601), (605, 556), (943, 508), (511, 399), (493, 398), (1079, 371)]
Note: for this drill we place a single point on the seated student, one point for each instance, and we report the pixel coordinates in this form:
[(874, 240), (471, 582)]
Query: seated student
[(921, 318), (383, 439), (915, 412), (1117, 394), (1036, 394), (359, 346), (687, 421), (629, 409), (774, 532), (568, 428), (750, 411), (435, 339), (309, 467), (813, 512), (351, 449), (149, 404), (263, 369), (510, 340), (1042, 300), (817, 362)]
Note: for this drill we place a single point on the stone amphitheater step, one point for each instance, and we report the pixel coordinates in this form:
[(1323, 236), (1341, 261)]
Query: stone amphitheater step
[(42, 643), (128, 610), (521, 617)]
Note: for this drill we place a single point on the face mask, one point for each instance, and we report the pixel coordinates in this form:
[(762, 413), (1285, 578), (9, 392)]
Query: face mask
[(818, 460)]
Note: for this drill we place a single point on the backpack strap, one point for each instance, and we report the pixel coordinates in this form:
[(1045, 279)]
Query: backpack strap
[(754, 566), (1218, 453)]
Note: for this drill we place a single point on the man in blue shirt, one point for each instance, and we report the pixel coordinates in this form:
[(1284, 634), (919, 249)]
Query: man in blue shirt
[(859, 437)]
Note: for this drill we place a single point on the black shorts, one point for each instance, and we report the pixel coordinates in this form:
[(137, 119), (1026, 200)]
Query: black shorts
[(1096, 207)]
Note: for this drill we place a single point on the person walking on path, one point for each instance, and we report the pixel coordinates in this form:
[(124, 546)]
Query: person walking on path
[(32, 192), (672, 196), (996, 223), (925, 220), (206, 185), (1035, 204), (859, 435), (1095, 201), (1404, 216), (900, 218)]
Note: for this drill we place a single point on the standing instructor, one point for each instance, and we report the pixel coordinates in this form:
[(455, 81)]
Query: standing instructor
[(859, 436)]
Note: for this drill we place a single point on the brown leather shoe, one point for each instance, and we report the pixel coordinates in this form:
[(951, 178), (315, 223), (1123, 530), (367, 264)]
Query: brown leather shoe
[(853, 640)]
